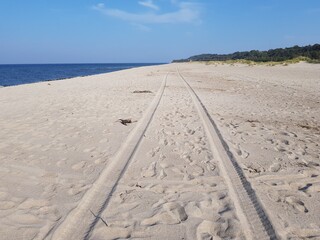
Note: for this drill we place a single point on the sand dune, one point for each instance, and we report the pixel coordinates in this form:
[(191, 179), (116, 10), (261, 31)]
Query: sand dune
[(70, 170)]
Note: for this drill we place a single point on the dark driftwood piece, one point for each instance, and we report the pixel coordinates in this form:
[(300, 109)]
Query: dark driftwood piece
[(143, 91), (126, 121)]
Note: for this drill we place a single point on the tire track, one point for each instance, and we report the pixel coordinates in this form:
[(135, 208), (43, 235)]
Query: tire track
[(172, 188), (256, 224), (80, 221)]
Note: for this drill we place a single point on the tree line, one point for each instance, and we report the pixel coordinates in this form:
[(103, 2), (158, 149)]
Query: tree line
[(311, 52)]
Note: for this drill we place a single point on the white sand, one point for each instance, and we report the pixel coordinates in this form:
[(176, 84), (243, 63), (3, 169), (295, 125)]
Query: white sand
[(65, 159)]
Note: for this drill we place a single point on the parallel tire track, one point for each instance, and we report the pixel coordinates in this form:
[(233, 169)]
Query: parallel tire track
[(80, 221), (256, 224)]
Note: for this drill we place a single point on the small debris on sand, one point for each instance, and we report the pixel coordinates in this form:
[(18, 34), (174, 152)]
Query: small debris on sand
[(125, 121), (143, 91)]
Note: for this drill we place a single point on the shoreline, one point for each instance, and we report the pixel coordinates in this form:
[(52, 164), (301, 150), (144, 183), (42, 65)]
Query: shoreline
[(79, 76)]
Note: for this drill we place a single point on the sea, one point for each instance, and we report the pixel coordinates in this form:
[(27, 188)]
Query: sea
[(17, 74)]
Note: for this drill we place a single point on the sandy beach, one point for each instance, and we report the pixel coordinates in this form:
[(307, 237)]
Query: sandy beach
[(213, 151)]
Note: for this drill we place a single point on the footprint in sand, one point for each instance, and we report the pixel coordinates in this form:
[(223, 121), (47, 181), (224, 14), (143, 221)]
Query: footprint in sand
[(210, 166), (296, 203), (163, 141), (49, 212), (75, 189), (191, 131), (253, 168), (198, 149), (62, 162), (206, 230), (87, 150), (195, 170), (154, 151), (290, 134), (162, 157), (79, 165), (171, 213), (177, 171), (218, 229), (194, 210), (275, 167), (186, 157), (49, 190), (156, 188), (150, 171), (162, 174), (100, 160), (242, 153)]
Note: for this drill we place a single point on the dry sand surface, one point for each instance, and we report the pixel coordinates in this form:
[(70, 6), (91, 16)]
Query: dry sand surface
[(212, 152)]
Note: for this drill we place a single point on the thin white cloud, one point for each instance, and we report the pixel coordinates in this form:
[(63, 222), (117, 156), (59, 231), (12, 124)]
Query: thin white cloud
[(149, 4), (186, 13)]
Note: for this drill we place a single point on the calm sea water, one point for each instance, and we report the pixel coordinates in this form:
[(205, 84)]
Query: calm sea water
[(29, 73)]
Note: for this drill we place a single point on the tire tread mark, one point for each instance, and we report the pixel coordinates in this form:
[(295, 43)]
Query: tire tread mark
[(255, 221), (80, 222)]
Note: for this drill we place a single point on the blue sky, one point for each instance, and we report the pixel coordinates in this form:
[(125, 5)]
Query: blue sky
[(93, 31)]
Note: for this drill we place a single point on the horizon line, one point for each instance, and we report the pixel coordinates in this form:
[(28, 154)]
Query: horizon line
[(84, 63)]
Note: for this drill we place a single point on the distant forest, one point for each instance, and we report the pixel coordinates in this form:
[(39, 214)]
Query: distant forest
[(311, 52)]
